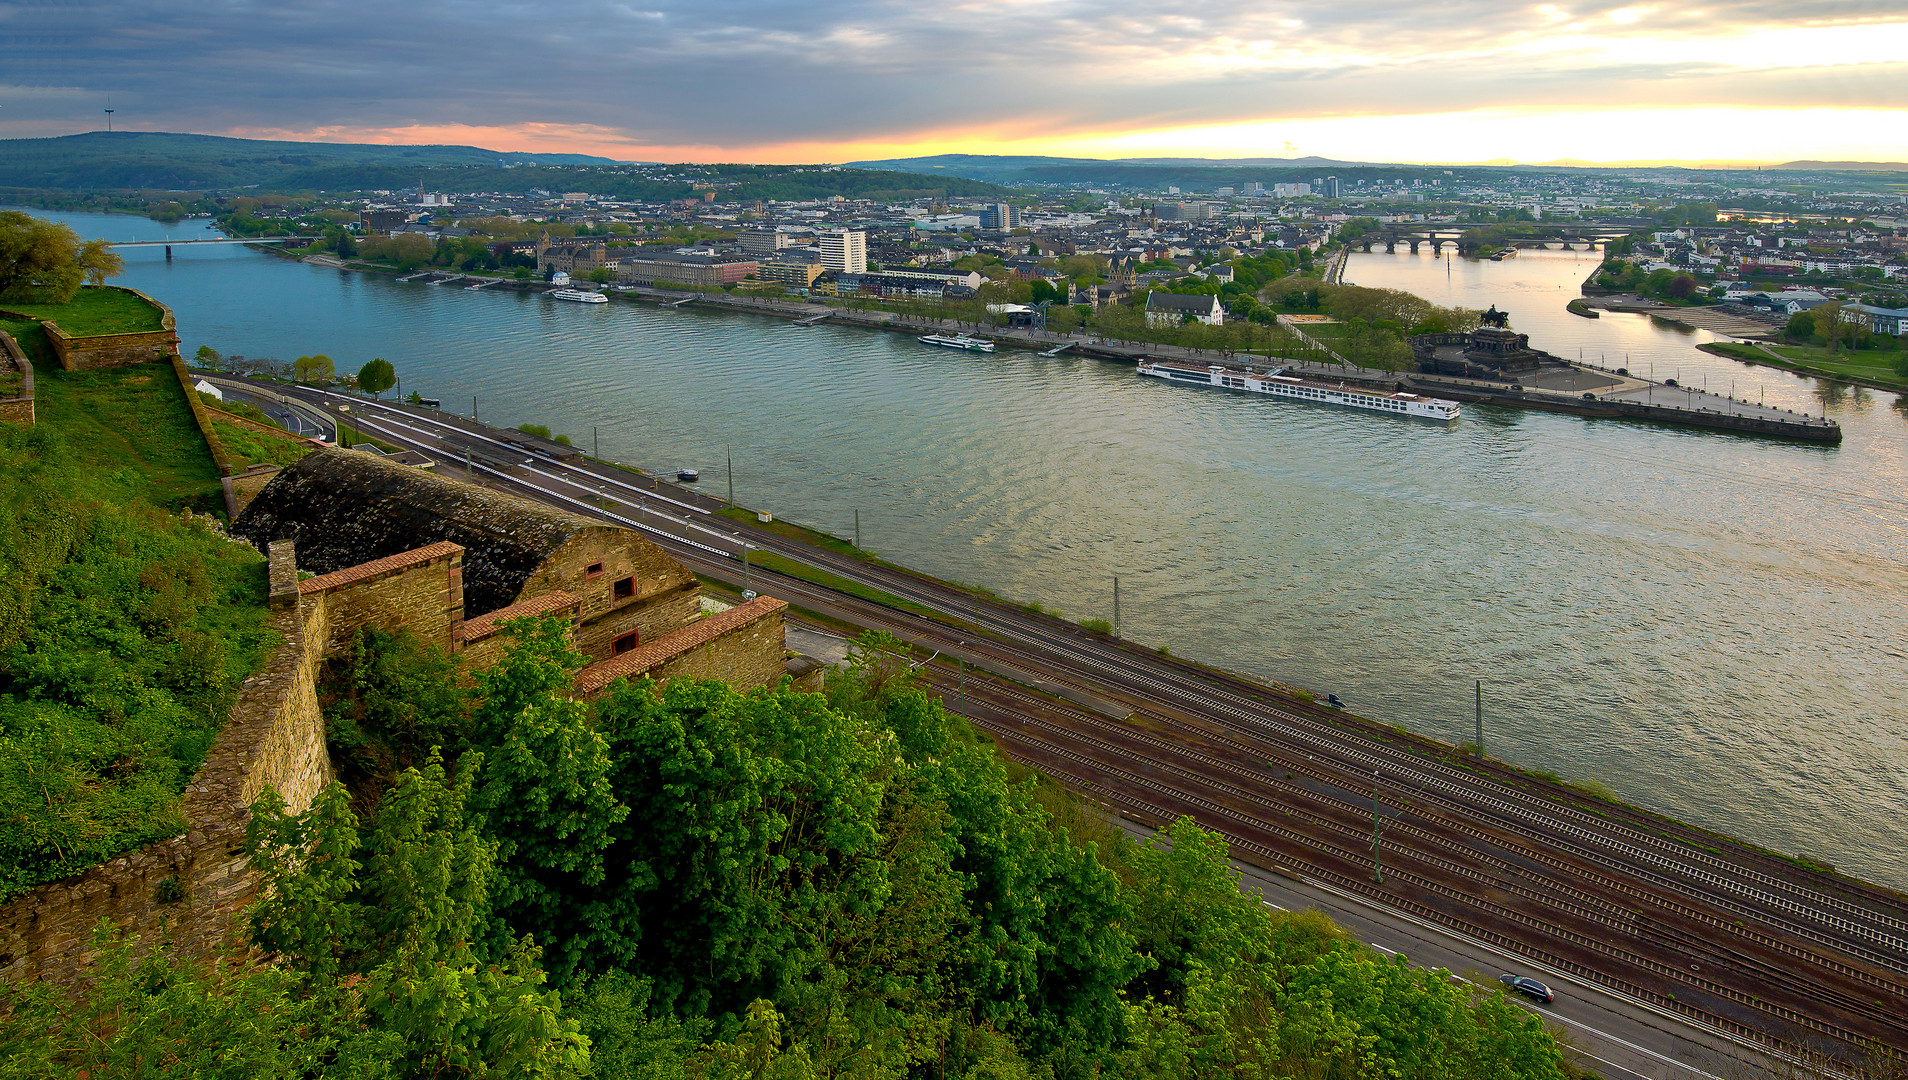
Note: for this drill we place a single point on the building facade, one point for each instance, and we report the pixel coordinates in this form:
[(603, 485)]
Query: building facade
[(845, 251), (677, 268), (1171, 309)]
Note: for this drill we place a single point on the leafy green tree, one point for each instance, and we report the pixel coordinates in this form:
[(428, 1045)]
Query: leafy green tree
[(46, 260), (207, 357), (316, 368), (394, 918), (376, 376), (600, 275)]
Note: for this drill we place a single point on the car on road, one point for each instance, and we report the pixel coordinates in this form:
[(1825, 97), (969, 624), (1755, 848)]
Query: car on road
[(1528, 987)]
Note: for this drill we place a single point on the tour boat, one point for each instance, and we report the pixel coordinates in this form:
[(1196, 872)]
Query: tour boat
[(1279, 384), (581, 296), (958, 341)]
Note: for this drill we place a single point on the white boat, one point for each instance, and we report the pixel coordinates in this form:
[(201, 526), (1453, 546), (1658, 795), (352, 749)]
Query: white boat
[(581, 296), (1278, 384), (959, 341)]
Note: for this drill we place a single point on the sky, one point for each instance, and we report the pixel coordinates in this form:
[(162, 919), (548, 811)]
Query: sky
[(783, 81)]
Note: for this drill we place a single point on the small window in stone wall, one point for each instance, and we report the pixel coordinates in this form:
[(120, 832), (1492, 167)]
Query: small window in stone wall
[(625, 588), (595, 569), (625, 643)]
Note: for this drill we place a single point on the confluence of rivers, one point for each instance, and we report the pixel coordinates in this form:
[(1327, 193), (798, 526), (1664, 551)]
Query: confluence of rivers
[(1709, 625)]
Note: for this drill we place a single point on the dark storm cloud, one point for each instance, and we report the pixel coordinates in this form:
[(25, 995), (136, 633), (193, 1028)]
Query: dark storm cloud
[(745, 74)]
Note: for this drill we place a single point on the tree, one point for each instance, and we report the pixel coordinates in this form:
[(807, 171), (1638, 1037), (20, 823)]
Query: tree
[(1680, 287), (377, 376), (207, 357), (46, 261), (1837, 324), (313, 369), (600, 275)]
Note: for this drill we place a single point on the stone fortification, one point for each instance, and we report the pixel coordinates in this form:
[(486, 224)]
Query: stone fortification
[(16, 407), (346, 508), (745, 646), (421, 591), (191, 887), (114, 350)]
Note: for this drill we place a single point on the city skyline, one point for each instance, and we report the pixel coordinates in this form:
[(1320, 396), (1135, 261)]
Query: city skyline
[(777, 82)]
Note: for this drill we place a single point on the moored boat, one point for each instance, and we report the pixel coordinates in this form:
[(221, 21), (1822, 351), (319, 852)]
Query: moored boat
[(581, 296), (958, 341), (1278, 384)]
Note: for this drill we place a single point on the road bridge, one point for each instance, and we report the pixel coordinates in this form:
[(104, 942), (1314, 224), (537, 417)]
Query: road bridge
[(170, 244)]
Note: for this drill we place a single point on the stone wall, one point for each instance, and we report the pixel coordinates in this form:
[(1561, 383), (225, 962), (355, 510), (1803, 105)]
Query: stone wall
[(662, 592), (744, 646), (192, 886), (17, 409), (242, 488), (421, 591), (481, 642), (116, 350)]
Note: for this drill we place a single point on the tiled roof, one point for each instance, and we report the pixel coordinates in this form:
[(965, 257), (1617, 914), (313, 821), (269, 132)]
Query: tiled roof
[(701, 632), (363, 571), (487, 624)]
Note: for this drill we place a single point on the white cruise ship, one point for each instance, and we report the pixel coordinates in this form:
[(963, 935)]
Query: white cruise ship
[(1278, 384), (581, 296), (959, 341)]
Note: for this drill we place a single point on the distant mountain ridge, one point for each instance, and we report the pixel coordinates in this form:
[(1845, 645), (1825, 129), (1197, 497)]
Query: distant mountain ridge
[(173, 161)]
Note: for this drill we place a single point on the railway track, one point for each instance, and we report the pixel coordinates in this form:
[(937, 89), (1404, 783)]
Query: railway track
[(1234, 808), (1592, 850)]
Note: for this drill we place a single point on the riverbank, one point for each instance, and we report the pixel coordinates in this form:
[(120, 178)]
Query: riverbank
[(1715, 320), (1756, 353)]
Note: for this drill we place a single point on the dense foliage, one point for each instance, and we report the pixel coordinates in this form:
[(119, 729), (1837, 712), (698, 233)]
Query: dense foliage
[(46, 261), (777, 884), (124, 633)]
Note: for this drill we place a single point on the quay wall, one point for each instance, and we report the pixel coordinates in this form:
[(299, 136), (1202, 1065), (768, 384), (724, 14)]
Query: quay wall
[(1514, 396)]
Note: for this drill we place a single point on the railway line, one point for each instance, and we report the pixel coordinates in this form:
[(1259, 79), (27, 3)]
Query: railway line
[(1086, 748), (1782, 954)]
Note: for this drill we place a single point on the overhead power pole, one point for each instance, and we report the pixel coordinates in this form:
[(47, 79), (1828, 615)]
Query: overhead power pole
[(1480, 718), (1116, 605)]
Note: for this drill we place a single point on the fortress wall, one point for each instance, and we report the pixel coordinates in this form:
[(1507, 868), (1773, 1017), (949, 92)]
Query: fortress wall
[(192, 887)]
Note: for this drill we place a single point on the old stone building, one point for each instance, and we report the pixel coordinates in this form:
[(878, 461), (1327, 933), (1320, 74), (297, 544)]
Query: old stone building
[(346, 510)]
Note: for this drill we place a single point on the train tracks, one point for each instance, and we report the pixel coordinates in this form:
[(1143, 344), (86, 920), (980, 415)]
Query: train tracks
[(1612, 893)]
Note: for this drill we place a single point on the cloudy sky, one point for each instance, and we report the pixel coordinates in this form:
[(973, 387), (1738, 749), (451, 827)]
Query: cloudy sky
[(780, 80)]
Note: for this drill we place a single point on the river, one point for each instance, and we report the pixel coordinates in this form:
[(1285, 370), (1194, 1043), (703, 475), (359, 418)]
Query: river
[(1709, 625)]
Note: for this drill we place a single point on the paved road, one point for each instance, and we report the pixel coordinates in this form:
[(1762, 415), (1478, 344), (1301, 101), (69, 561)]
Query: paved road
[(1628, 1038)]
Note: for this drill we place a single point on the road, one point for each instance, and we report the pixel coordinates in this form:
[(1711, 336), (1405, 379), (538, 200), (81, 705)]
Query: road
[(1692, 938)]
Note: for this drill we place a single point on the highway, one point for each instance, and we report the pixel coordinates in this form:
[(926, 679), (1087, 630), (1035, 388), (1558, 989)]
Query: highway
[(1700, 943)]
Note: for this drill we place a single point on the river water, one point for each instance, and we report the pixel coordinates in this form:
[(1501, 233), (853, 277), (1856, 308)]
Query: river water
[(1709, 625)]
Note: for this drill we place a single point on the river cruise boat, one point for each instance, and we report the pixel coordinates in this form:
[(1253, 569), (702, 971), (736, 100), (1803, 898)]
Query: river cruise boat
[(959, 341), (1278, 384), (581, 296)]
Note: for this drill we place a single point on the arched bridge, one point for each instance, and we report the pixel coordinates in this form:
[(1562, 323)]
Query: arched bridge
[(1456, 234)]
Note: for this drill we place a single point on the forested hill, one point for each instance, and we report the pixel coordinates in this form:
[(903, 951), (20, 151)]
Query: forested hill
[(162, 162), (100, 160)]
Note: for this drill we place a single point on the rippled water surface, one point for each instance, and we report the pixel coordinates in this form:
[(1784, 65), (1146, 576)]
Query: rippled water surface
[(1710, 625)]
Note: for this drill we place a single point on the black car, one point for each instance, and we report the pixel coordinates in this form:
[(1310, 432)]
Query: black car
[(1530, 988)]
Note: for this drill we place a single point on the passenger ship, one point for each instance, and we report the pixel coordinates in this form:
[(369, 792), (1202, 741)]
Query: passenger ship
[(1278, 384), (581, 296), (959, 341)]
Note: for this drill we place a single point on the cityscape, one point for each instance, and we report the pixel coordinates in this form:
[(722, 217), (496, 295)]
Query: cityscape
[(1049, 543)]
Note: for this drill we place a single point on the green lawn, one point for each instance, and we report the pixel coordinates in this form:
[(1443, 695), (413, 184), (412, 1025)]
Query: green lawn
[(131, 425), (96, 311), (248, 446), (792, 531)]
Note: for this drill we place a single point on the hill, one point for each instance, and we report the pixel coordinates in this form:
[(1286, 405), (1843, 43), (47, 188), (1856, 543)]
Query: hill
[(100, 160)]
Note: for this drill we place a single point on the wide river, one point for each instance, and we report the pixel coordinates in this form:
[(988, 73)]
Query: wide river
[(1710, 625)]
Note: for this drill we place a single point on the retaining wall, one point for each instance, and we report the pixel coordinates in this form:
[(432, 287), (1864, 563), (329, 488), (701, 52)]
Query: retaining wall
[(17, 409), (192, 887), (421, 591)]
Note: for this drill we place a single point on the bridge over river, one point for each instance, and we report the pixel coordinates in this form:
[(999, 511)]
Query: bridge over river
[(1461, 235)]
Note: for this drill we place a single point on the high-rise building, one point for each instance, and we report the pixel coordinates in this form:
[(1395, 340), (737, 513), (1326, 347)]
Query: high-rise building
[(1331, 187), (763, 241), (845, 251), (999, 216)]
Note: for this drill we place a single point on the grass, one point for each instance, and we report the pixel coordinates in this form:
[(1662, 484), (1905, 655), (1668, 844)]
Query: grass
[(96, 311), (768, 560), (791, 531), (133, 424), (248, 446), (1873, 366)]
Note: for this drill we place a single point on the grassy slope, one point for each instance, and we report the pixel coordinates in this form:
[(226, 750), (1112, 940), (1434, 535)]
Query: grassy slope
[(1869, 366), (131, 423), (92, 312)]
